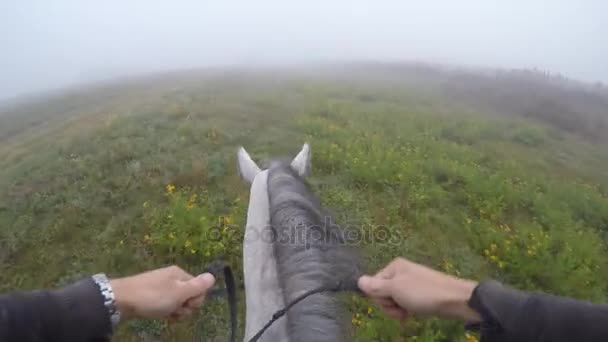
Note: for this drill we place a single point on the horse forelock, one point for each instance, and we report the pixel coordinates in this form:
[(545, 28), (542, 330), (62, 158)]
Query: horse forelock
[(310, 253)]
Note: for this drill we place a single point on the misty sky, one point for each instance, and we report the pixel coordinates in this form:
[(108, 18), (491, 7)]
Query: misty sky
[(48, 44)]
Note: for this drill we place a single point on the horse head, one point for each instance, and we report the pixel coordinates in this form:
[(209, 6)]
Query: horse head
[(291, 246)]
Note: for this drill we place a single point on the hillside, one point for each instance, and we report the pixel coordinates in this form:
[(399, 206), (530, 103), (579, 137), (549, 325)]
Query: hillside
[(481, 174)]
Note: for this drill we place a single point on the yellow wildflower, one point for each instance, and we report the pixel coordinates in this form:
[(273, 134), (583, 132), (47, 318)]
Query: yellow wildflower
[(470, 337), (171, 236), (447, 266), (192, 251), (356, 321), (191, 202), (369, 310), (187, 244), (170, 188)]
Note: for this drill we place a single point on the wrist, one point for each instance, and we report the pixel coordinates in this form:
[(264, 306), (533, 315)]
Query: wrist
[(455, 301), (122, 296), (109, 298)]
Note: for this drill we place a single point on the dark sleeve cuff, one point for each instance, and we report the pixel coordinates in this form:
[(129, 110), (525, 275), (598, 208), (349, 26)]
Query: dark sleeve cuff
[(512, 315), (86, 316), (499, 307)]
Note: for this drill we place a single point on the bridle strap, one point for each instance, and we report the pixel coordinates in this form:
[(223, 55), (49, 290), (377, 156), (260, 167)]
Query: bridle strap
[(215, 268)]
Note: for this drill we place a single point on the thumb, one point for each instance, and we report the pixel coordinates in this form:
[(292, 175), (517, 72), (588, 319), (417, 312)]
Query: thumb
[(375, 286), (197, 286)]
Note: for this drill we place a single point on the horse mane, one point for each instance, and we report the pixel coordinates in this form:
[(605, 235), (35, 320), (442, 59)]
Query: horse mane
[(310, 252)]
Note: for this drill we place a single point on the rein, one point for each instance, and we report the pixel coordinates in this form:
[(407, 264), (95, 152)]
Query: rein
[(215, 268), (348, 284), (337, 287)]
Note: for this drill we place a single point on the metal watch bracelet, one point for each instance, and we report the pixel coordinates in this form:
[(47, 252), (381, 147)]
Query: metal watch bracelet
[(109, 300)]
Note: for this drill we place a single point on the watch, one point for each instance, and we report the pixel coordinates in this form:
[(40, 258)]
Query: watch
[(109, 300)]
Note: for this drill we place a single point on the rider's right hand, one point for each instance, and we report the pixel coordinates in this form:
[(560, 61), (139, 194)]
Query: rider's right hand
[(404, 287)]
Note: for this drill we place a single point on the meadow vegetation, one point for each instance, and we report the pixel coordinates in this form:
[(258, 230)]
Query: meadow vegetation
[(146, 176)]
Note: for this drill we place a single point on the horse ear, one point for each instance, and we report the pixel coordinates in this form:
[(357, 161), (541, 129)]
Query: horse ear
[(247, 167), (301, 163)]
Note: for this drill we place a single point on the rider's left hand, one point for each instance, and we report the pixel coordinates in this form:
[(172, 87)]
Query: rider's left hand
[(168, 292)]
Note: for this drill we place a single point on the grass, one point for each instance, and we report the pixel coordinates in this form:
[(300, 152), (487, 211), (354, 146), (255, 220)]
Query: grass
[(149, 179)]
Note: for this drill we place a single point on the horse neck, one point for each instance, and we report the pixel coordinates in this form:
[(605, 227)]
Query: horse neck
[(262, 290), (305, 264)]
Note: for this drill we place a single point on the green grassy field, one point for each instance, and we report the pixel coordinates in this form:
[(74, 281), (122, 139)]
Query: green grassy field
[(125, 178)]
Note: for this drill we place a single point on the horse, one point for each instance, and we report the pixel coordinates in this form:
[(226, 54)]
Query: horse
[(288, 249)]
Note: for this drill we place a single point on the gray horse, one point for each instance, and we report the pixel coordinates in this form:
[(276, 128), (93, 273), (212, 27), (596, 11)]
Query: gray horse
[(290, 247)]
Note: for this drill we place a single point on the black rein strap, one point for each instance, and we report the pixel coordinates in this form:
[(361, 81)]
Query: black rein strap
[(215, 268), (349, 284)]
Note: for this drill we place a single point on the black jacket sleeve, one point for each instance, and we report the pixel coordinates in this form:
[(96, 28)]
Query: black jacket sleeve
[(512, 315), (74, 313)]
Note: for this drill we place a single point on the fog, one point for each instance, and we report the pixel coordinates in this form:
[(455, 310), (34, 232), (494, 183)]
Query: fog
[(51, 44)]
